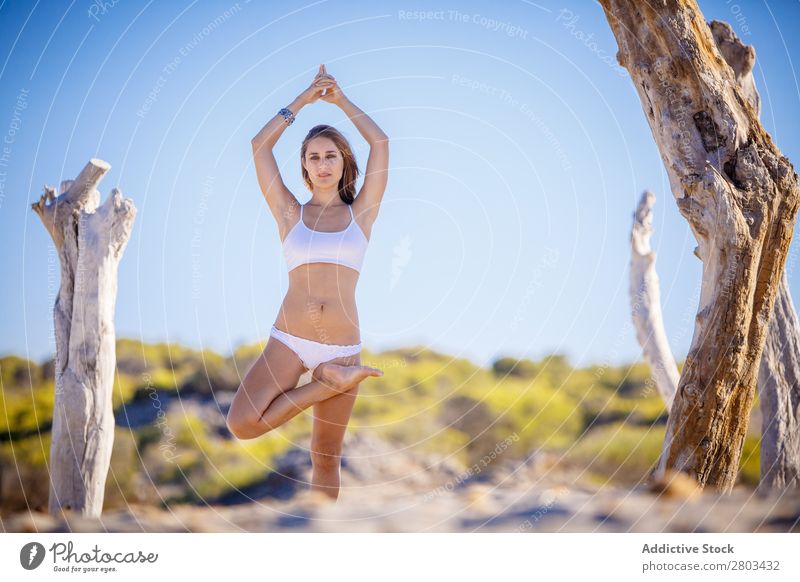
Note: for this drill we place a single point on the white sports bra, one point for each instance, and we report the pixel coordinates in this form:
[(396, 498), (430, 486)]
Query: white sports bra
[(343, 247)]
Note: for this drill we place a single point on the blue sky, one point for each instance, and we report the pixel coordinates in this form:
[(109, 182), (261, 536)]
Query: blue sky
[(519, 151)]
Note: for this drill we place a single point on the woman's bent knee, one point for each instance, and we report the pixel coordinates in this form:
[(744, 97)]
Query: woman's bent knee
[(241, 430), (244, 415), (245, 427)]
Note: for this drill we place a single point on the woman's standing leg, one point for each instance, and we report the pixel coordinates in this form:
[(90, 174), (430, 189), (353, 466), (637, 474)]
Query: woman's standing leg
[(330, 422)]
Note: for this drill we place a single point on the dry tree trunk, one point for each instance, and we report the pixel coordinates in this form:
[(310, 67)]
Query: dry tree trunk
[(779, 370), (779, 397), (90, 240), (740, 197), (645, 296)]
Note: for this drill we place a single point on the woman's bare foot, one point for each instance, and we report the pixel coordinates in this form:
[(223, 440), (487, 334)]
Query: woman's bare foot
[(342, 378)]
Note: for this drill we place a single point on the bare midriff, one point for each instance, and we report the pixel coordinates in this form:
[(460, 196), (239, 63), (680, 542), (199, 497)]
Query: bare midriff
[(320, 304)]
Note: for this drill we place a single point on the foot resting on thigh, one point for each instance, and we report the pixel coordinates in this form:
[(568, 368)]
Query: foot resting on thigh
[(343, 378)]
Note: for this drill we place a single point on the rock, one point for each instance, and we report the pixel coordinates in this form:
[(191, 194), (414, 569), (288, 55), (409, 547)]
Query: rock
[(675, 484)]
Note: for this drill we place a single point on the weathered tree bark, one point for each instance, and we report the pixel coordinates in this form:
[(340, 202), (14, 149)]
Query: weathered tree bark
[(645, 294), (740, 197), (90, 240), (740, 57), (779, 370)]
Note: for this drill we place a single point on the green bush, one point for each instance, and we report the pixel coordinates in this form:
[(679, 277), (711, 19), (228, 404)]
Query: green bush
[(609, 419), (209, 466), (506, 366), (24, 480), (750, 462), (622, 452), (19, 373), (25, 410)]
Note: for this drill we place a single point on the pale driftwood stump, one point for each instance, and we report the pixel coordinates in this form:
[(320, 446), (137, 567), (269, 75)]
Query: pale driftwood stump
[(645, 295), (740, 197), (90, 240), (779, 397)]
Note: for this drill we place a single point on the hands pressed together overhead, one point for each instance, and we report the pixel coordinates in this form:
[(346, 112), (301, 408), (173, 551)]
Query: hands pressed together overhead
[(323, 87)]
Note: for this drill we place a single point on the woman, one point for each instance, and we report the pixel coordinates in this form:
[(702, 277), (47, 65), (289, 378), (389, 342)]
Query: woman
[(324, 242)]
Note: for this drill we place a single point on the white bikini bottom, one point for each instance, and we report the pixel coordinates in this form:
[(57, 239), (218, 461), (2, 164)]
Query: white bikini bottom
[(312, 353)]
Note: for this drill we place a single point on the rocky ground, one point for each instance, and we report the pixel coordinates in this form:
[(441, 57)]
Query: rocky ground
[(386, 490)]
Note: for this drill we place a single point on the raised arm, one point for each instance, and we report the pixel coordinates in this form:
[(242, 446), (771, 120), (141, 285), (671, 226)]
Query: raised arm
[(280, 200), (376, 176), (377, 173)]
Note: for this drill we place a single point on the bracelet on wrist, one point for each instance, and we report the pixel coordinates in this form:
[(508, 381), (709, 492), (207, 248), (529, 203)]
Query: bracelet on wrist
[(288, 116)]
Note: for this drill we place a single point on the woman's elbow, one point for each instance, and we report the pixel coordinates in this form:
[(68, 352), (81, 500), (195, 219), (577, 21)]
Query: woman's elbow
[(258, 144)]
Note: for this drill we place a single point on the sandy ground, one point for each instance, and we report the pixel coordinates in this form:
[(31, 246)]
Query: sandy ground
[(385, 490)]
